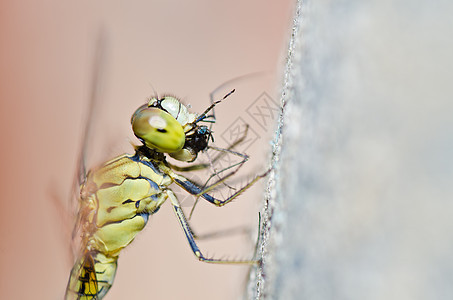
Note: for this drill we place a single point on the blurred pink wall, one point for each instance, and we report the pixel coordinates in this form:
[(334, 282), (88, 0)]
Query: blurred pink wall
[(46, 59)]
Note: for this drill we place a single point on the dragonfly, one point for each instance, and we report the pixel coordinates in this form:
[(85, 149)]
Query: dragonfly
[(118, 197)]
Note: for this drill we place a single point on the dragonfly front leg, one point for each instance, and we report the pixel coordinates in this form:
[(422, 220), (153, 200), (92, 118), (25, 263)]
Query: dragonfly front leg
[(190, 238), (199, 192)]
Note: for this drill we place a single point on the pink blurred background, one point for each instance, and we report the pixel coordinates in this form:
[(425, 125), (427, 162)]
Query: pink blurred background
[(46, 58)]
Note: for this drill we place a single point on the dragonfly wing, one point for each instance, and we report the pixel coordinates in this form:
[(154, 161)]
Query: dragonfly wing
[(96, 146)]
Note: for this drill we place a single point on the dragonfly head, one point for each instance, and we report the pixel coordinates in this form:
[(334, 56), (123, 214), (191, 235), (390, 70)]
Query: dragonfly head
[(167, 126)]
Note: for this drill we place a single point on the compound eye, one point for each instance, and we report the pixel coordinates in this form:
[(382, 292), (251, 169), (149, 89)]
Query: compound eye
[(158, 129), (178, 110)]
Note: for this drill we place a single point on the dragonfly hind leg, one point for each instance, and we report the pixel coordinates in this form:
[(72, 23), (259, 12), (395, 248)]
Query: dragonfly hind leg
[(190, 237)]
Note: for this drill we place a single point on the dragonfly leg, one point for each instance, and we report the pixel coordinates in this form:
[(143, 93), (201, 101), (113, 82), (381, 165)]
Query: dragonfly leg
[(190, 238), (197, 191)]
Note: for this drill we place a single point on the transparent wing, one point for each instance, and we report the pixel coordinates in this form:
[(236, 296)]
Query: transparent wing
[(93, 105), (107, 132)]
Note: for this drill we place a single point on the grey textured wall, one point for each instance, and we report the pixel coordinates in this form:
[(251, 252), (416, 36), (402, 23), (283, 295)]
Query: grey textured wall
[(360, 200)]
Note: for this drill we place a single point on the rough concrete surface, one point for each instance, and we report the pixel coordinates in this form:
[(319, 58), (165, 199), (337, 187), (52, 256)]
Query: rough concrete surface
[(359, 202)]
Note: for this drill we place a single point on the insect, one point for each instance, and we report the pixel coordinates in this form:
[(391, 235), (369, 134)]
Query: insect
[(117, 198)]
